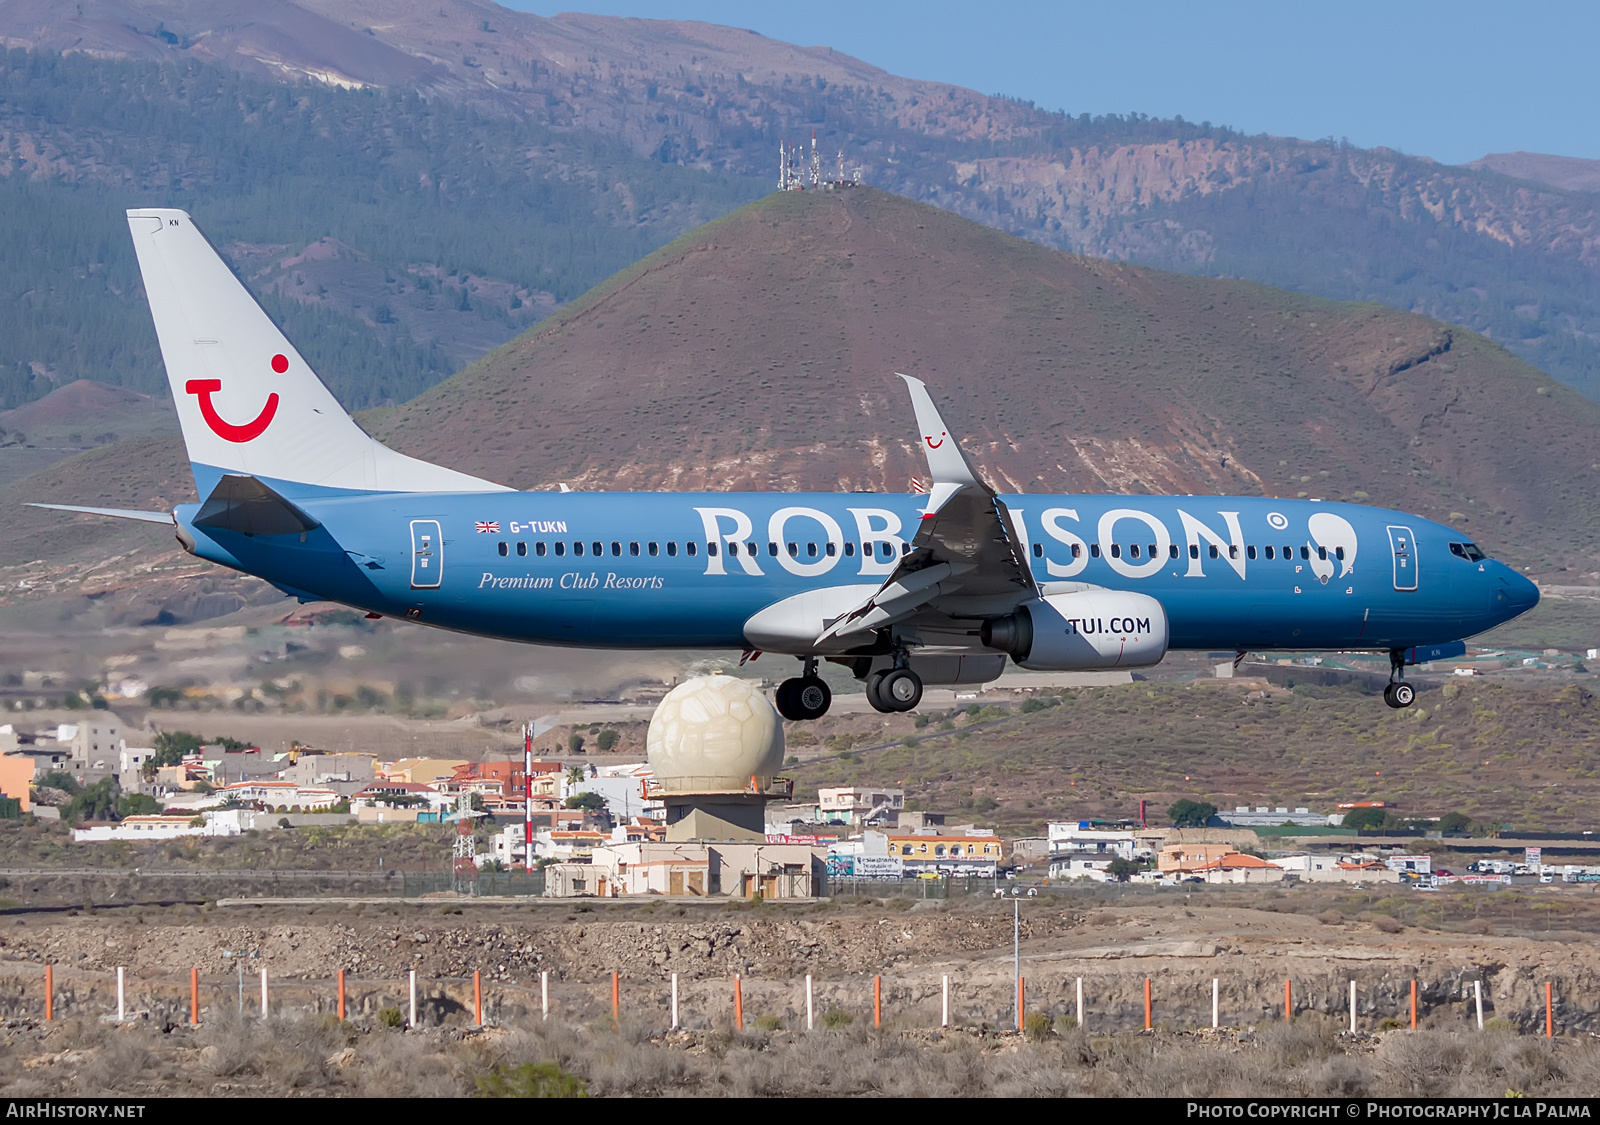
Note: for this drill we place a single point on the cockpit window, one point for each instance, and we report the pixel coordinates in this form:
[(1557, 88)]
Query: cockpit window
[(1469, 551)]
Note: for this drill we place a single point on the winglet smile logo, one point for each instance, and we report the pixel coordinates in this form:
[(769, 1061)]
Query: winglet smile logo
[(203, 389), (934, 444)]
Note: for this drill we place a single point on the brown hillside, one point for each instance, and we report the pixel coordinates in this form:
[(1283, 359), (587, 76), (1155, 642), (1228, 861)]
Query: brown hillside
[(759, 352)]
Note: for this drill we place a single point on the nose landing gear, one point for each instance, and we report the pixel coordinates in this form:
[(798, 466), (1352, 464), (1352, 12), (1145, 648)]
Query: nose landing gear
[(806, 696), (1398, 693)]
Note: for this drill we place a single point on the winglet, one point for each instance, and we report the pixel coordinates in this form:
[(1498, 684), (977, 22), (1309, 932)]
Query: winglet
[(947, 465)]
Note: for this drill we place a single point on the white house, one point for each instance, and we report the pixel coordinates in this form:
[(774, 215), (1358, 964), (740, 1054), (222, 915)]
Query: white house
[(858, 804)]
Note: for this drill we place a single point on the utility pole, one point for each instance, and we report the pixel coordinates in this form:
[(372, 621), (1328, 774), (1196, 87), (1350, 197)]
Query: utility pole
[(527, 796)]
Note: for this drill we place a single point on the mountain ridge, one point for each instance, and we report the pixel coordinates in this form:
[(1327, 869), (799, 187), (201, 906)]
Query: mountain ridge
[(1503, 255)]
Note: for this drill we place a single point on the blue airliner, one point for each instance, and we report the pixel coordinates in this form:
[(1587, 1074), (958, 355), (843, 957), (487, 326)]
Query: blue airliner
[(903, 590)]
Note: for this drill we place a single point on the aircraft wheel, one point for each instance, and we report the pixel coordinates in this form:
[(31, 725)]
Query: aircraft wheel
[(1399, 694), (803, 698), (874, 681), (900, 689), (786, 702)]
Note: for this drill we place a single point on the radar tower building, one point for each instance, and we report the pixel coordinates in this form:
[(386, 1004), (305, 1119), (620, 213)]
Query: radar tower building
[(715, 745)]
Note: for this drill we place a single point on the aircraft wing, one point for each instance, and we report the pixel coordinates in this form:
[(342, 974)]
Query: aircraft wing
[(965, 558)]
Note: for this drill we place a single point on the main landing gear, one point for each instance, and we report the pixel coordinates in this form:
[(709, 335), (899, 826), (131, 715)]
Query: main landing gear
[(1398, 693), (894, 689), (805, 696)]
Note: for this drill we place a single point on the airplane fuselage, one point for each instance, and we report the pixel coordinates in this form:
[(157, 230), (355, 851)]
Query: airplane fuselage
[(632, 570)]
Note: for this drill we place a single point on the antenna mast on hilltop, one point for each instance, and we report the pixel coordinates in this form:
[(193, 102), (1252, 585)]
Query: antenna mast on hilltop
[(794, 170)]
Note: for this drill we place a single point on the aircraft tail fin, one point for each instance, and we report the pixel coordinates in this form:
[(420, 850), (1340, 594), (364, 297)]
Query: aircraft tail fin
[(248, 402)]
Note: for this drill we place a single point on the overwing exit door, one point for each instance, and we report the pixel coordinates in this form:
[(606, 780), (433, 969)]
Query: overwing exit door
[(1403, 544), (427, 554)]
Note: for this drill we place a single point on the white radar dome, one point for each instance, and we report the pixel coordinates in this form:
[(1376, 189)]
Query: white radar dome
[(714, 733)]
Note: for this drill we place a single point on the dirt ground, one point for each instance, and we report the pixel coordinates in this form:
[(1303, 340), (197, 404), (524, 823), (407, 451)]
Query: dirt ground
[(1112, 939)]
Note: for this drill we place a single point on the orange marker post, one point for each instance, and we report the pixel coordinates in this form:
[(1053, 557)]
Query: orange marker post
[(1022, 990), (877, 1002), (1288, 1001), (1413, 1004), (1549, 1012), (194, 996), (738, 1005), (616, 1000), (1147, 1022), (477, 997), (49, 992), (341, 994)]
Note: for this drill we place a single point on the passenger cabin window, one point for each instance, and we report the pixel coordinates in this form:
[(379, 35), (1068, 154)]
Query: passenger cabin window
[(1269, 552), (688, 549), (561, 549), (832, 550), (522, 548), (1116, 551), (633, 548), (672, 549), (772, 548), (1213, 550), (538, 548), (599, 548), (502, 550), (1233, 551), (1194, 550), (1338, 553), (1288, 552), (1133, 551), (1249, 552), (1077, 550), (1094, 550), (1172, 551), (1322, 553), (711, 549), (794, 550), (1305, 552), (811, 550), (849, 550), (616, 548), (1038, 550), (654, 549), (1153, 550), (577, 547)]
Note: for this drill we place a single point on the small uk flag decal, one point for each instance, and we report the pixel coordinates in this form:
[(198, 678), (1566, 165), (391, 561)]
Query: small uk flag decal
[(488, 527)]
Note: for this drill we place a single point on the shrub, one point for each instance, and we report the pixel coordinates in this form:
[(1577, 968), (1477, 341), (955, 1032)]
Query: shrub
[(835, 1019), (1064, 1024), (390, 1017), (1391, 1024), (532, 1080), (768, 1023), (1191, 814), (1036, 1027), (1500, 1025), (606, 739)]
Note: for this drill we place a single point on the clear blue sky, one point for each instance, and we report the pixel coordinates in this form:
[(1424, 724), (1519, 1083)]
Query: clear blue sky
[(1448, 80)]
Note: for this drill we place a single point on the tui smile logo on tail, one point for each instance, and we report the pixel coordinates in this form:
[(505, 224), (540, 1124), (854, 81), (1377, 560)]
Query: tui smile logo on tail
[(203, 389)]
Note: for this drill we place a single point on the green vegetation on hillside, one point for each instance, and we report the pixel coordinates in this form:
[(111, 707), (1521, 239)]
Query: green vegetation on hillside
[(401, 179), (1527, 759), (1322, 233)]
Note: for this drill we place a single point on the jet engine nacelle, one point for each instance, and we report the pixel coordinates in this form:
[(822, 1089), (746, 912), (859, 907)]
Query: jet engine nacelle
[(1081, 631)]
